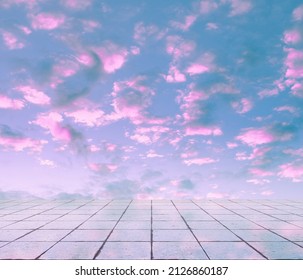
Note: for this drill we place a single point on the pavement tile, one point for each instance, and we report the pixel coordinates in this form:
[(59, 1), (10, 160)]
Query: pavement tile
[(230, 251), (70, 217), (62, 225), (257, 235), (178, 251), (130, 235), (157, 224), (24, 250), (173, 235), (279, 250), (241, 225), (205, 225), (72, 251), (290, 234), (45, 235), (215, 235), (104, 217), (98, 225), (125, 251), (12, 234), (134, 225), (87, 235), (26, 225), (277, 225)]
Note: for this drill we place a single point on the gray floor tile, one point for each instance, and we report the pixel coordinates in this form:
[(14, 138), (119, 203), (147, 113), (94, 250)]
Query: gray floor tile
[(104, 217), (241, 225), (230, 251), (134, 225), (178, 251), (172, 235), (279, 250), (72, 251), (98, 225), (125, 251), (24, 250), (158, 224), (130, 235), (45, 235), (12, 234), (291, 234), (87, 235), (257, 235), (277, 225), (205, 225), (26, 225), (62, 225), (215, 235)]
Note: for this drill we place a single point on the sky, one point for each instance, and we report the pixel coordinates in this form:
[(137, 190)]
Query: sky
[(155, 99)]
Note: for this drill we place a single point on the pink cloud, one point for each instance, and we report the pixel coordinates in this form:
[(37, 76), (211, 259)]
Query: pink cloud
[(256, 136), (216, 195), (294, 63), (292, 171), (189, 154), (189, 21), (113, 57), (297, 89), (153, 154), (292, 37), (110, 147), (11, 41), (33, 95), (28, 3), (239, 7), (196, 68), (66, 68), (294, 152), (178, 47), (47, 162), (88, 117), (8, 103), (131, 98), (76, 4), (20, 144), (267, 193), (207, 6), (175, 76), (260, 172), (102, 168), (135, 50), (211, 26), (142, 32), (298, 13), (25, 29), (243, 106), (148, 135), (52, 122), (286, 108), (94, 148), (199, 161), (47, 21), (203, 130), (90, 25), (267, 92), (231, 145), (204, 64), (258, 181)]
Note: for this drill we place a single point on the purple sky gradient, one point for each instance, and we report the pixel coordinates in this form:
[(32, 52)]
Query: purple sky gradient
[(151, 99)]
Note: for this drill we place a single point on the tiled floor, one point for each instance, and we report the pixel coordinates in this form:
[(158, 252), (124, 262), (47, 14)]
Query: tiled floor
[(157, 229)]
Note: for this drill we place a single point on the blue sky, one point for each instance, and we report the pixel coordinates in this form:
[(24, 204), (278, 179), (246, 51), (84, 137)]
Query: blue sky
[(151, 99)]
